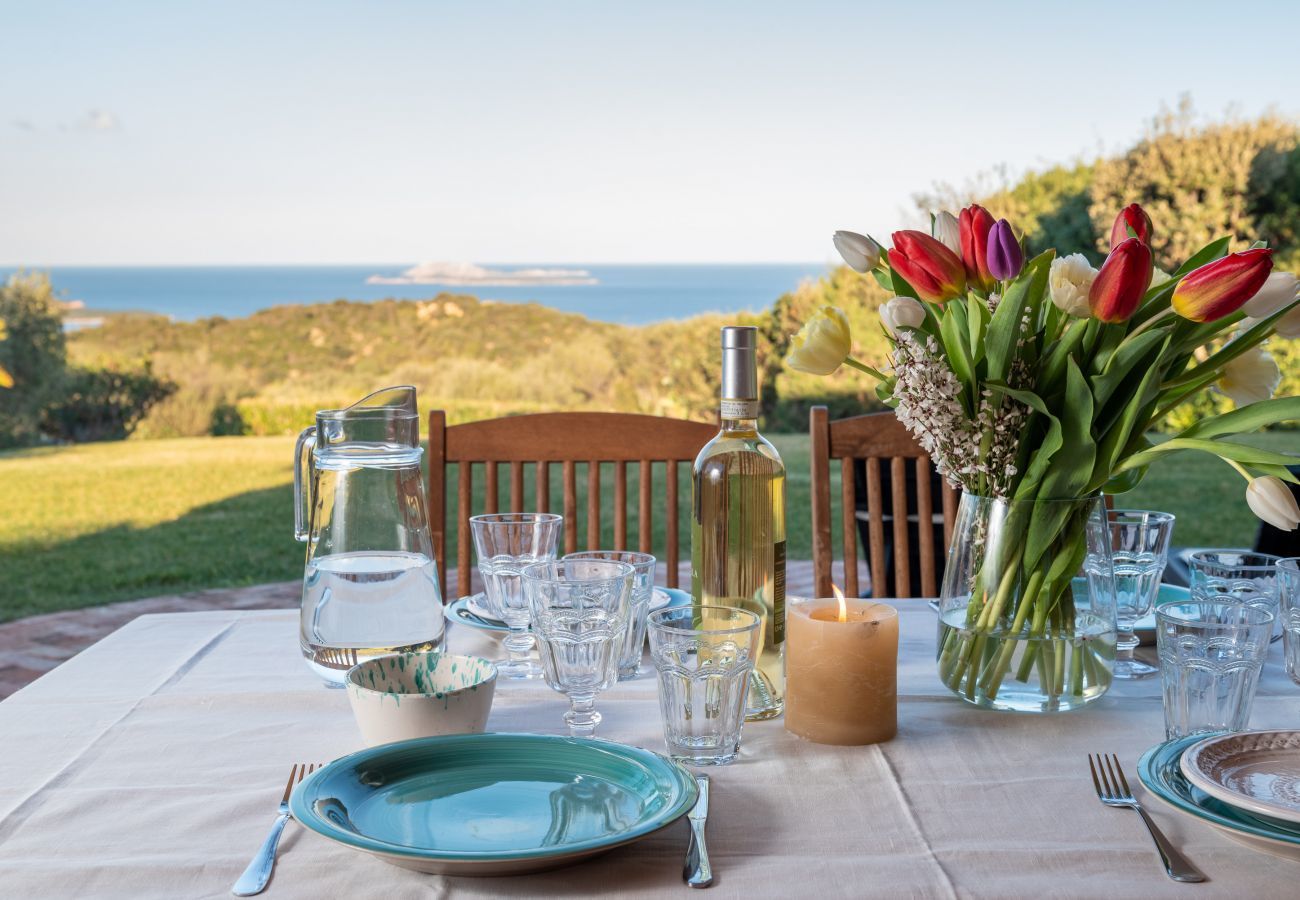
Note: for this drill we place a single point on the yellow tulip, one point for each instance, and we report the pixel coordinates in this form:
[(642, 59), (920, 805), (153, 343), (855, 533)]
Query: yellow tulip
[(823, 343)]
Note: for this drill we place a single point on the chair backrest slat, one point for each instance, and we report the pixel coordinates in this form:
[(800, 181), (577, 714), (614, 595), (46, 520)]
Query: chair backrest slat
[(541, 440), (902, 554), (925, 536), (620, 505), (862, 444), (593, 505), (464, 497), (492, 474), (516, 486), (671, 537), (570, 506), (876, 517), (645, 536)]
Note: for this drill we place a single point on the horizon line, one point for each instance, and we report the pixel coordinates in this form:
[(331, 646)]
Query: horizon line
[(534, 262)]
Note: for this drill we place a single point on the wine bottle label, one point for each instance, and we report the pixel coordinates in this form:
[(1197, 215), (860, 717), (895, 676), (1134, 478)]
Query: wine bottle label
[(740, 409), (778, 592)]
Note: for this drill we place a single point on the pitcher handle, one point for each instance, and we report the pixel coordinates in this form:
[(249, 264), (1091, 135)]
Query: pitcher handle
[(302, 495)]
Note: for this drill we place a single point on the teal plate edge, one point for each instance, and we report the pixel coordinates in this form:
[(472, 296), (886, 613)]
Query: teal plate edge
[(1159, 772), (302, 800)]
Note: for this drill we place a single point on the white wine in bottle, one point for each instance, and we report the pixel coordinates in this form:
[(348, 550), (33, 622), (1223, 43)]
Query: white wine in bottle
[(738, 521)]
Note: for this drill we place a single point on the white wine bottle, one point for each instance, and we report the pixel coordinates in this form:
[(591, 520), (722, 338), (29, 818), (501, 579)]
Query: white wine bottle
[(738, 521)]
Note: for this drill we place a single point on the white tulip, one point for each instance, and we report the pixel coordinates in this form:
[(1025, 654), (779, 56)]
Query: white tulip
[(1271, 500), (1069, 281), (902, 312), (860, 252), (1278, 291), (823, 343), (1289, 325), (946, 231), (1251, 377)]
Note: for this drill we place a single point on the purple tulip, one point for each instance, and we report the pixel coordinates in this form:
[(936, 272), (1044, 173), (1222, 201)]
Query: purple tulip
[(1004, 256)]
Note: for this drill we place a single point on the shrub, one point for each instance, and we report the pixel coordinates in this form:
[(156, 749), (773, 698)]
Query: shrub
[(102, 404)]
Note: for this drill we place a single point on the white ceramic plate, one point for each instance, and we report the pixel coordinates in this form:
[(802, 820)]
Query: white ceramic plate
[(1257, 771)]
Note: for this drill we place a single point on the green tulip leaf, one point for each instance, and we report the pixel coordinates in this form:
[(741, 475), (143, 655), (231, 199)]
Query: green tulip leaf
[(1247, 419), (977, 320), (884, 279)]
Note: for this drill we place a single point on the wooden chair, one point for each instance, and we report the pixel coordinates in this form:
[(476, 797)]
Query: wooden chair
[(870, 439), (568, 439)]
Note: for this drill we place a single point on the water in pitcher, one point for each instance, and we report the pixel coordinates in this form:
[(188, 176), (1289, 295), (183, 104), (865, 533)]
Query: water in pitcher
[(373, 603)]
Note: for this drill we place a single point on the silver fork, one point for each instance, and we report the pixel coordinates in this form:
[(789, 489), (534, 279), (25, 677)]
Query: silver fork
[(258, 873), (1113, 790)]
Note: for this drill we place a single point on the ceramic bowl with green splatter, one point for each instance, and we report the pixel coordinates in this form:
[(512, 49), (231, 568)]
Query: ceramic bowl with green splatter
[(413, 695)]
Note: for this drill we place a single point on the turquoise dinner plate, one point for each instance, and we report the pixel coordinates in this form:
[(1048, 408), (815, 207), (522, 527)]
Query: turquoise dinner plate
[(1160, 772), (493, 804), (458, 611)]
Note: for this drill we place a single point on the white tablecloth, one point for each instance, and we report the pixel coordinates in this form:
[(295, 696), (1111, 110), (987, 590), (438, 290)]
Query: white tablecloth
[(150, 766)]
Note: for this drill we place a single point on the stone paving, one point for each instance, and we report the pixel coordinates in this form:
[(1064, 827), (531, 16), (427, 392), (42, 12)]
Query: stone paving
[(31, 647)]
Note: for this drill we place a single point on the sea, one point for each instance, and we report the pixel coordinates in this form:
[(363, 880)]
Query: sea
[(628, 294)]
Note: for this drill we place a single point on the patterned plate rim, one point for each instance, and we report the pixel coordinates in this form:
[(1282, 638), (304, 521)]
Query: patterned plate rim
[(1197, 776), (1167, 754)]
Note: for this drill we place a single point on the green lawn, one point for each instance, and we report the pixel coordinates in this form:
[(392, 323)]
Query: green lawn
[(96, 523)]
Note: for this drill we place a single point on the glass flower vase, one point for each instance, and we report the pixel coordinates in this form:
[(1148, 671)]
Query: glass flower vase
[(1027, 609)]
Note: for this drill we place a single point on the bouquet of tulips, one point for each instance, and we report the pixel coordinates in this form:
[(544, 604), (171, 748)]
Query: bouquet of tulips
[(1030, 381)]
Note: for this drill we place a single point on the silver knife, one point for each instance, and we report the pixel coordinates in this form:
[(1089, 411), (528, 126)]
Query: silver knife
[(697, 872)]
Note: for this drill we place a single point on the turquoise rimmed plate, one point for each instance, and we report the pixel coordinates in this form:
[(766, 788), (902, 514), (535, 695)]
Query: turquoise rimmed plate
[(493, 804), (1159, 769)]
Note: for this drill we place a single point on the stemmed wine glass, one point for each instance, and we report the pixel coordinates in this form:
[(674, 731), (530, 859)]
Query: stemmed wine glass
[(580, 611), (505, 544), (1139, 551)]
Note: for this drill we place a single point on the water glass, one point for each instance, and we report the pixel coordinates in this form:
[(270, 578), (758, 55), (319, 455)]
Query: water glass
[(1288, 577), (703, 656), (643, 587), (1211, 654), (1139, 541), (580, 613), (505, 543), (1242, 574)]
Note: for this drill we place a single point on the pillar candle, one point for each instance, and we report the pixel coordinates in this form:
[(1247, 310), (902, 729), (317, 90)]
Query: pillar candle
[(842, 676)]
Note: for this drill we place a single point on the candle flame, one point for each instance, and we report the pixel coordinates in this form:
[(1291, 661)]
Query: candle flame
[(839, 598)]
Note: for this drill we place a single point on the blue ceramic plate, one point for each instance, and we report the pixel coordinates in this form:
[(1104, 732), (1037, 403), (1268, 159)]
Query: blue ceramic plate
[(460, 613), (493, 804), (1160, 772)]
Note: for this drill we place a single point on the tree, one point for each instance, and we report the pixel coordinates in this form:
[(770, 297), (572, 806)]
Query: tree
[(33, 354)]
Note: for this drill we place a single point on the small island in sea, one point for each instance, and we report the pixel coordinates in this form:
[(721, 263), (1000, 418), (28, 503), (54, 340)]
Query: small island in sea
[(461, 274)]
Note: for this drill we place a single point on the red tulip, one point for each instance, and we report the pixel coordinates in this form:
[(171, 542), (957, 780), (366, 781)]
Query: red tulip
[(974, 226), (933, 271), (1131, 217), (1222, 287), (1124, 278)]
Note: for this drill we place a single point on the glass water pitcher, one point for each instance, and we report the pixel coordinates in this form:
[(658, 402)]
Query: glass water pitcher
[(370, 584)]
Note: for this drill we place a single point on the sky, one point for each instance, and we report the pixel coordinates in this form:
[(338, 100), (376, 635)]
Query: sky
[(600, 132)]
